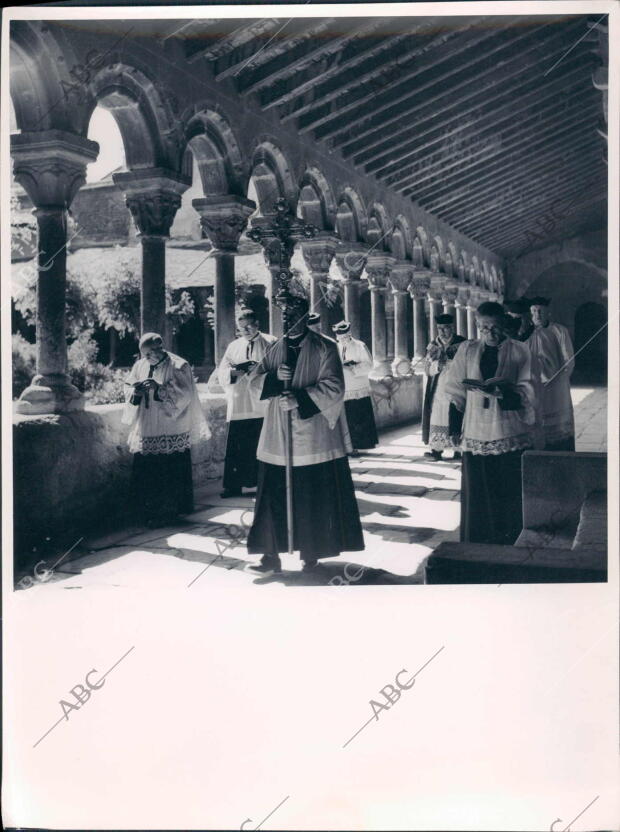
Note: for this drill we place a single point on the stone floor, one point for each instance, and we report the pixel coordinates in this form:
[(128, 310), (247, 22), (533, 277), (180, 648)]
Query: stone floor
[(408, 505)]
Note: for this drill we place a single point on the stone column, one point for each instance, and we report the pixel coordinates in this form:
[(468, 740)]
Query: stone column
[(224, 219), (471, 321), (461, 312), (378, 267), (434, 309), (448, 300), (318, 254), (153, 196), (51, 166), (277, 257), (351, 261), (389, 325), (400, 279), (418, 290)]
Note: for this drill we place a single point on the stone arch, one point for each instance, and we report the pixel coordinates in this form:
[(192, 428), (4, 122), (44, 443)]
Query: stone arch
[(214, 145), (271, 174), (149, 129), (426, 245), (351, 217), (476, 267), (379, 226), (417, 253), (461, 270), (454, 254), (439, 244), (316, 199), (39, 66), (435, 259), (486, 275), (494, 283), (449, 263), (401, 243)]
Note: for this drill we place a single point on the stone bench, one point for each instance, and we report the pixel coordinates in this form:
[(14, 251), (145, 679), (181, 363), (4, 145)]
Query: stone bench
[(483, 563)]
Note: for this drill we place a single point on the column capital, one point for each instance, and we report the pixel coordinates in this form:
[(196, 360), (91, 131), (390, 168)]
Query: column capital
[(224, 219), (318, 252), (400, 278), (378, 269), (462, 296), (351, 259), (153, 196), (419, 286), (51, 165), (449, 293)]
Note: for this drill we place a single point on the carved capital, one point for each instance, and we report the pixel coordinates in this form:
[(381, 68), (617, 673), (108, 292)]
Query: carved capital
[(318, 253), (224, 219), (51, 165), (153, 196), (400, 278), (378, 269), (351, 259), (419, 287)]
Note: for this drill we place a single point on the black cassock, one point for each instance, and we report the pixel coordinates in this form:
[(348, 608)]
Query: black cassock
[(240, 464)]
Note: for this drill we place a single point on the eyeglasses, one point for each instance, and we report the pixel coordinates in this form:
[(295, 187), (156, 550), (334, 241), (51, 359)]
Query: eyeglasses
[(490, 330)]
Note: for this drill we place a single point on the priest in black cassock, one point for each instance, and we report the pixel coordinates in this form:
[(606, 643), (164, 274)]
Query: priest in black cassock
[(326, 516)]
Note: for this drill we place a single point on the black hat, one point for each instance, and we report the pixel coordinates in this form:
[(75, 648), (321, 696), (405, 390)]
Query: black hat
[(539, 301), (314, 318), (444, 319), (517, 307), (341, 327)]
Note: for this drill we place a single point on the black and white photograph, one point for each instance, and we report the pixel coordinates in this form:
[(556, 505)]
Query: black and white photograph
[(307, 317)]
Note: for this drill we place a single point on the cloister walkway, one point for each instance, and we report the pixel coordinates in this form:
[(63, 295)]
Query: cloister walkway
[(408, 506)]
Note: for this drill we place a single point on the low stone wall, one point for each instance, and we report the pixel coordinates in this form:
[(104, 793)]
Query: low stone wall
[(72, 472)]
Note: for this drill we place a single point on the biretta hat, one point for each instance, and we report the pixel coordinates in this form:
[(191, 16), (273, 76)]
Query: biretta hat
[(341, 327)]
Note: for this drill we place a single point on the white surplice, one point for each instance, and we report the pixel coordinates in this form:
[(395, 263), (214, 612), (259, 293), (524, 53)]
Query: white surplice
[(322, 437), (241, 405), (491, 430), (172, 424), (552, 365), (356, 384)]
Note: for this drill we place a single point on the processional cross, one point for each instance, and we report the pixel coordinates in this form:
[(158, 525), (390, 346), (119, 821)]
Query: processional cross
[(277, 235)]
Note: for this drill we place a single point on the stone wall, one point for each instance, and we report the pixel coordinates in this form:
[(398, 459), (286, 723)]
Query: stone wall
[(72, 472)]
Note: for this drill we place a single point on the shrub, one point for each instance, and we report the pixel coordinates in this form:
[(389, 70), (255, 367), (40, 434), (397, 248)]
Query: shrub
[(24, 364)]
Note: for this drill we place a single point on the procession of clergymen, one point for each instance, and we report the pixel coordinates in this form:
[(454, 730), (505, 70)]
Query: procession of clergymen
[(299, 406)]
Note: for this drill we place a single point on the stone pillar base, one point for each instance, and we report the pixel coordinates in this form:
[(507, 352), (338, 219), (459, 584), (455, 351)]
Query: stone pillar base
[(213, 384), (380, 369), (45, 395)]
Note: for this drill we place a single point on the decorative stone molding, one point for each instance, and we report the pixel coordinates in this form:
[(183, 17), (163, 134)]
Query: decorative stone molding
[(153, 196), (400, 278), (378, 270), (419, 286), (351, 259), (224, 219), (318, 253), (51, 165)]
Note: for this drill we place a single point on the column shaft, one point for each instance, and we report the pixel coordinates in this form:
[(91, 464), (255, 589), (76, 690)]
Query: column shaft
[(434, 310), (461, 320), (352, 305), (224, 302), (51, 285), (401, 364), (420, 334), (471, 322), (153, 285), (379, 332)]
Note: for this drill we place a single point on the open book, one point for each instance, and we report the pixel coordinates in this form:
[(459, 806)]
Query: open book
[(486, 386), (245, 366)]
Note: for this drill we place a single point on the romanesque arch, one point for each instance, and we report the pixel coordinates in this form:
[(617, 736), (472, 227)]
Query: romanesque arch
[(151, 135), (271, 174), (351, 217), (426, 245), (401, 242), (417, 252), (216, 150), (316, 199), (39, 79), (379, 227)]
